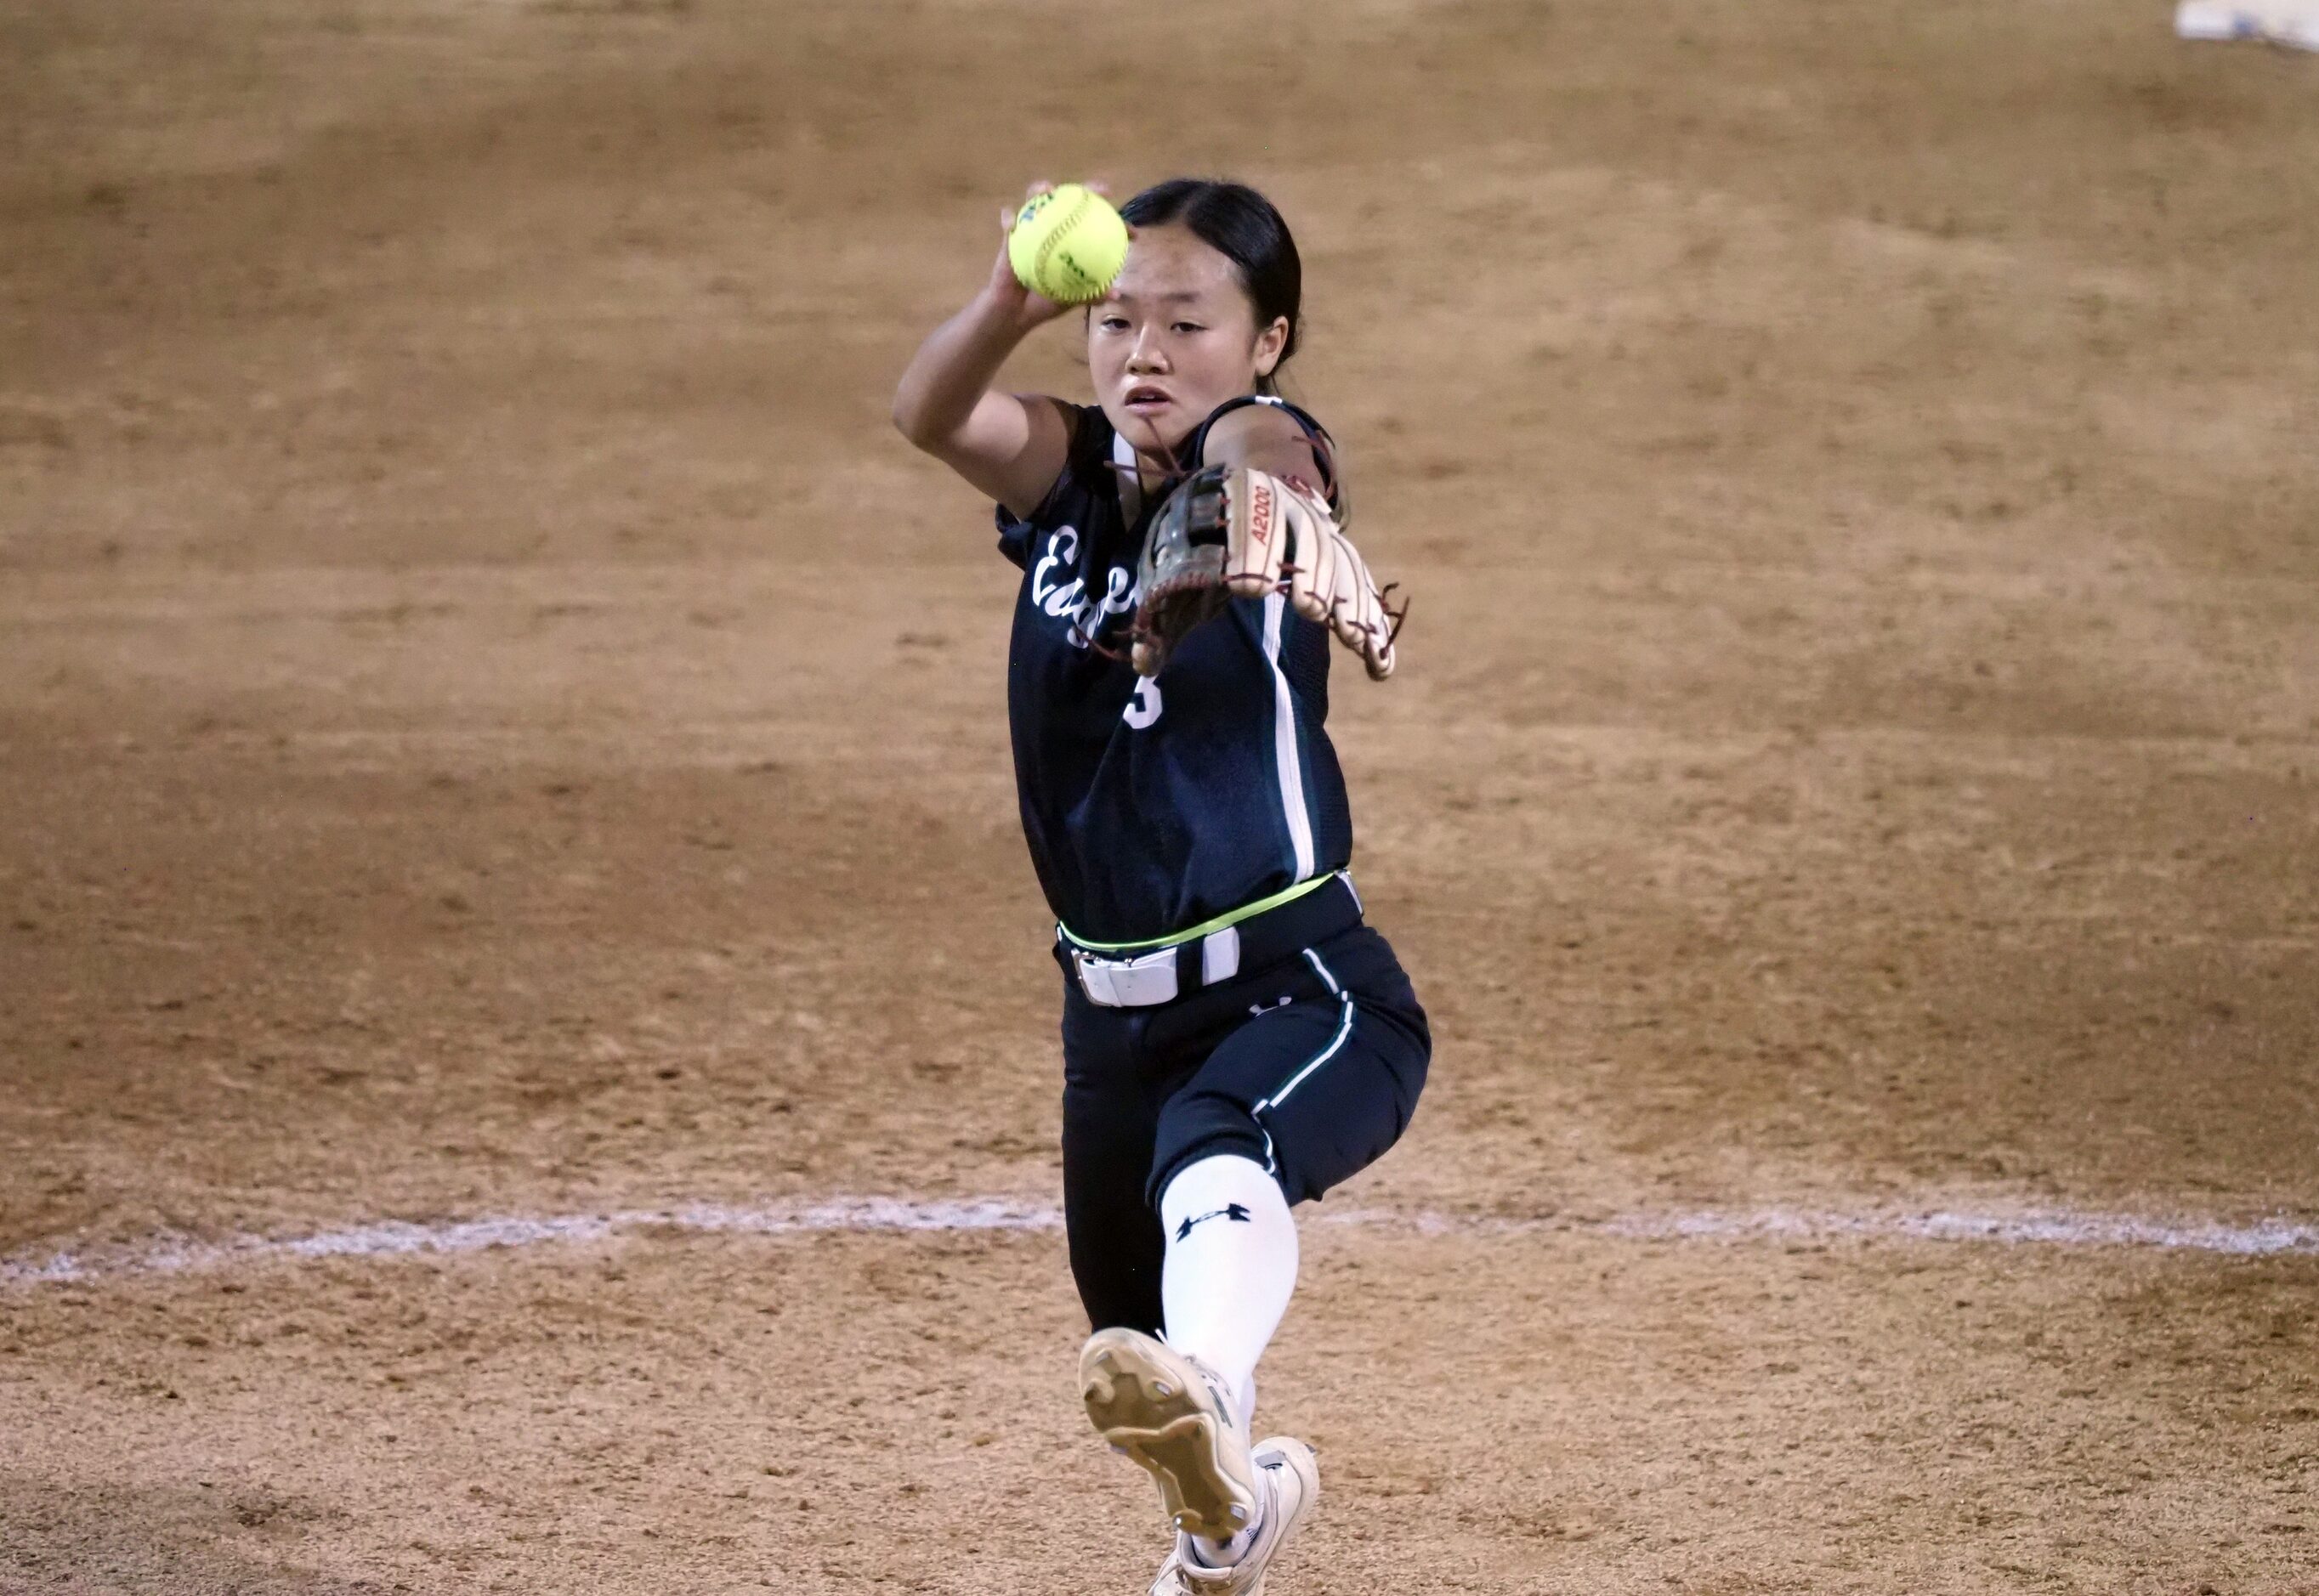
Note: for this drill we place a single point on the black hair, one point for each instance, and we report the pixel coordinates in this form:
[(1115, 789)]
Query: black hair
[(1241, 224)]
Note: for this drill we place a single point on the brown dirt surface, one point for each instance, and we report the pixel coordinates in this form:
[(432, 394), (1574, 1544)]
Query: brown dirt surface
[(494, 724)]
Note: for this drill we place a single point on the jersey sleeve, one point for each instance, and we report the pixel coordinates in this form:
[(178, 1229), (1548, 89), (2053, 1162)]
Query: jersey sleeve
[(1015, 539), (1015, 534)]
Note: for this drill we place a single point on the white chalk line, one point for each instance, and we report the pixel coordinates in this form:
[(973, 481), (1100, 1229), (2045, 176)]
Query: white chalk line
[(172, 1254), (387, 1238)]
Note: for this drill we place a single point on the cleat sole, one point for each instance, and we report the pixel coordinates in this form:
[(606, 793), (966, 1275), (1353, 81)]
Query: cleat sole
[(1137, 1397)]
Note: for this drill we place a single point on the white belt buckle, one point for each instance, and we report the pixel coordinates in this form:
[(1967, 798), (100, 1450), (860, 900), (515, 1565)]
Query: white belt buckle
[(1127, 983), (1220, 956)]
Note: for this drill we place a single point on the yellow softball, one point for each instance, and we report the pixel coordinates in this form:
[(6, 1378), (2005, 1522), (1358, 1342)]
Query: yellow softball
[(1067, 244)]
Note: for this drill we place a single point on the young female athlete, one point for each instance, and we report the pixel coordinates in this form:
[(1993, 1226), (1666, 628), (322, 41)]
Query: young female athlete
[(1235, 1039)]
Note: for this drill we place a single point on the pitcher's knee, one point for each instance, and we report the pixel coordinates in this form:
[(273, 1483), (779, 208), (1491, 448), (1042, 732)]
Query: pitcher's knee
[(1196, 1125)]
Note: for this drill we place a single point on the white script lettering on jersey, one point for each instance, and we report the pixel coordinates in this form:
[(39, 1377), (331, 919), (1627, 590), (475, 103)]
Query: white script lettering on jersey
[(1069, 601)]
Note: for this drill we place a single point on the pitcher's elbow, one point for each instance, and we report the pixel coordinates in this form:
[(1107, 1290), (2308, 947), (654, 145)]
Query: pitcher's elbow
[(910, 421)]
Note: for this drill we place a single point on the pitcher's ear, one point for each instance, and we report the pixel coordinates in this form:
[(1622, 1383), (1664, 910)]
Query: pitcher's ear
[(1269, 343)]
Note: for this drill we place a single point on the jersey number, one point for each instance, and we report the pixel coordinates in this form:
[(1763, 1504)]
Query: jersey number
[(1143, 708)]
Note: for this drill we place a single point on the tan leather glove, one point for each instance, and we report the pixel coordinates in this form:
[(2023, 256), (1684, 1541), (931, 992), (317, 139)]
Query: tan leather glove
[(1228, 532)]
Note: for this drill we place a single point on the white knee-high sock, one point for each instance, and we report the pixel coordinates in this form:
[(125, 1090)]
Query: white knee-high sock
[(1229, 1270), (1230, 1265)]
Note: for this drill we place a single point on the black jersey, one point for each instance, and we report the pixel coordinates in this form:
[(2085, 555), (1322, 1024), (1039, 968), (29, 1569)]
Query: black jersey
[(1152, 806)]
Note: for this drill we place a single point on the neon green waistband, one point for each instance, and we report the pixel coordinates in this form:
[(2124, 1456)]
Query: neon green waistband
[(1205, 927)]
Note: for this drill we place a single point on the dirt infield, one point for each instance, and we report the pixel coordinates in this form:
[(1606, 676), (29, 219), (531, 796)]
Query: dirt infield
[(496, 731)]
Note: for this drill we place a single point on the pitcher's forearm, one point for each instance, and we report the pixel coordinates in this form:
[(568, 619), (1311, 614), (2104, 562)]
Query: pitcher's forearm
[(953, 369)]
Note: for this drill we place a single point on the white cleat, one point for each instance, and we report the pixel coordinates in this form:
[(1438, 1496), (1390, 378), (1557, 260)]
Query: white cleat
[(1173, 1417), (1287, 1485)]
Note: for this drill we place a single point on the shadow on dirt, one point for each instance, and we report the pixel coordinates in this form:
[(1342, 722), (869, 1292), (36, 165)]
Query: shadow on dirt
[(227, 1538)]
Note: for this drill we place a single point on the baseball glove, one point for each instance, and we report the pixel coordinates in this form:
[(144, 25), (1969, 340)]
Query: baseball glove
[(1229, 532)]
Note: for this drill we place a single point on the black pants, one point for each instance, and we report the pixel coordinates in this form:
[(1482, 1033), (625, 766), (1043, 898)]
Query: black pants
[(1311, 1066)]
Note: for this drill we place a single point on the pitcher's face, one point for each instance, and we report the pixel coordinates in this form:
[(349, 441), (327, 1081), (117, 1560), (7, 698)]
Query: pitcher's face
[(1176, 337)]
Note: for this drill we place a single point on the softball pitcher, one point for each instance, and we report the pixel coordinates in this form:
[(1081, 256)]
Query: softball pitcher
[(1235, 1038)]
